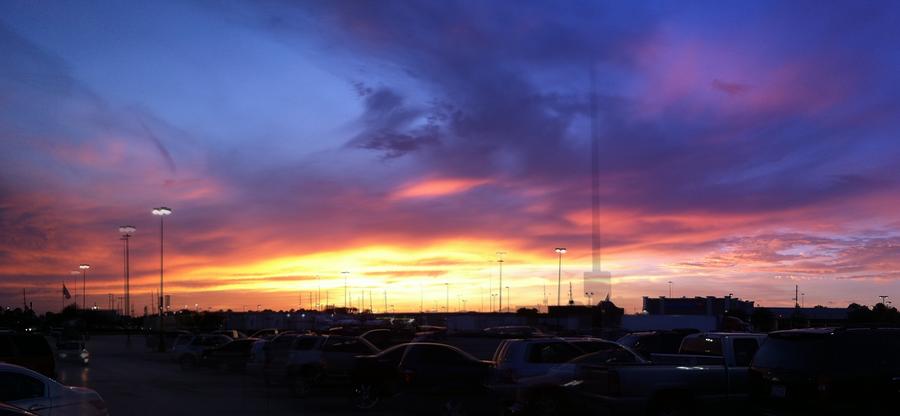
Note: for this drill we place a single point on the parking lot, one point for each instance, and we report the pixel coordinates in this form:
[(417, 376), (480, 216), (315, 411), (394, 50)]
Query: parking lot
[(134, 381)]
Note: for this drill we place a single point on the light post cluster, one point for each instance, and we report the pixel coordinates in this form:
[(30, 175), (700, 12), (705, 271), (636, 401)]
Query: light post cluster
[(84, 268), (559, 251), (127, 231), (161, 212)]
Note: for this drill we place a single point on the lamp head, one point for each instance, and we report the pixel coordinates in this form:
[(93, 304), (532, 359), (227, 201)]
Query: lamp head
[(84, 266), (162, 211), (127, 230), (560, 250)]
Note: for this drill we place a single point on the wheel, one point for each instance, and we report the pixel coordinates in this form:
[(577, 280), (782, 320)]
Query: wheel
[(365, 396), (671, 405), (187, 362), (547, 405)]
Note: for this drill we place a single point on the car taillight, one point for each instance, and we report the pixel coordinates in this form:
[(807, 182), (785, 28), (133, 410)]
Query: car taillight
[(408, 376)]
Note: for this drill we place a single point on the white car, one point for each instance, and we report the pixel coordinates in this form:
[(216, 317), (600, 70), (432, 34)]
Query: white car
[(73, 351), (36, 393)]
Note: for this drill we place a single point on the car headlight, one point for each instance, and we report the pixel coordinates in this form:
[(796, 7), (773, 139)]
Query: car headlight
[(62, 355)]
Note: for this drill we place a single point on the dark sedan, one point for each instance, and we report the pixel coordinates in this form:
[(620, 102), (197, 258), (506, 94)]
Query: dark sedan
[(230, 356), (423, 378)]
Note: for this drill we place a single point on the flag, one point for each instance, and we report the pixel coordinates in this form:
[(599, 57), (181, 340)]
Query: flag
[(66, 293)]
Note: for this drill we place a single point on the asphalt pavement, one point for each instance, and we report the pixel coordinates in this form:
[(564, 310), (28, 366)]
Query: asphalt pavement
[(135, 381)]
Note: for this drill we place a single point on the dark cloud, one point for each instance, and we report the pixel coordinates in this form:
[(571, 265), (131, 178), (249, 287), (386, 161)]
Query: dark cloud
[(392, 127)]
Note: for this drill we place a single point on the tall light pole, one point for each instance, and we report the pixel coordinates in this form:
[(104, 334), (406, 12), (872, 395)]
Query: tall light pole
[(670, 289), (500, 262), (161, 212), (345, 288), (508, 298), (447, 307), (84, 267), (559, 251), (127, 231)]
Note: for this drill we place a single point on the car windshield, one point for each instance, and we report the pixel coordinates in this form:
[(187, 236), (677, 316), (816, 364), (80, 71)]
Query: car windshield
[(702, 345), (614, 355), (629, 340), (589, 346)]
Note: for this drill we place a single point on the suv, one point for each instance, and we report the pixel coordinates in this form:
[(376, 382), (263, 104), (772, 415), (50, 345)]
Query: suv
[(29, 351), (519, 358), (188, 350), (828, 371), (313, 359)]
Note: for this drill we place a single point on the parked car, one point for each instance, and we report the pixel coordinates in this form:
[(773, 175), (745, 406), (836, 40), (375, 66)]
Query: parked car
[(39, 394), (8, 410), (655, 342), (430, 333), (232, 355), (711, 369), (268, 333), (384, 338), (257, 360), (73, 351), (187, 351), (312, 360), (513, 331), (27, 350), (275, 355), (423, 377), (519, 358), (151, 339), (827, 371), (540, 395), (232, 333)]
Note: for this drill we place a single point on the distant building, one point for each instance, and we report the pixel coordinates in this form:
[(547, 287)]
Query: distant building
[(818, 316), (709, 305)]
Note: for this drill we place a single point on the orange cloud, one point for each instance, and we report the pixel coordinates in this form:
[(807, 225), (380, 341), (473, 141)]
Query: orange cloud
[(430, 188)]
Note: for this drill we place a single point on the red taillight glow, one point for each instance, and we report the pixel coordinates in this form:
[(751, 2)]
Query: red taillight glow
[(408, 376)]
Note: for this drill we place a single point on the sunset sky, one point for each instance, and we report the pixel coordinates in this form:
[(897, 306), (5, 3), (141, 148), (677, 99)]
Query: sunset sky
[(746, 147)]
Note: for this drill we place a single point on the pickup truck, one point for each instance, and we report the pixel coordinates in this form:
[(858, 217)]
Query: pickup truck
[(710, 368)]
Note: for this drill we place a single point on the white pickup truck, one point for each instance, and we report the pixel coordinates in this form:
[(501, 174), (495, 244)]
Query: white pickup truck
[(711, 368)]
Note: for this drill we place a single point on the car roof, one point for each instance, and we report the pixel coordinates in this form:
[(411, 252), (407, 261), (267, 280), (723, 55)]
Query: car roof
[(827, 331), (726, 334), (12, 368)]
